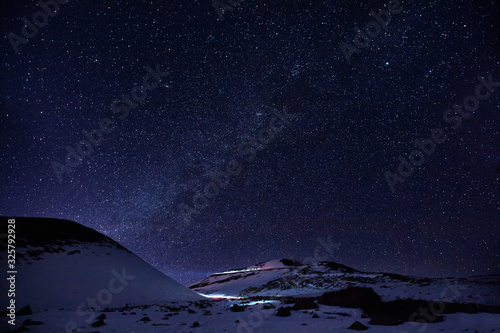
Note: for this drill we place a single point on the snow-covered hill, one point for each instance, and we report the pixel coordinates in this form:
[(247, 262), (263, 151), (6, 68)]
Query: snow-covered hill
[(292, 278), (77, 280), (60, 264)]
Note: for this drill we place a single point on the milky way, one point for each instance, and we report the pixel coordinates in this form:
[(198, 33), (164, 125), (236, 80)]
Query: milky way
[(205, 137)]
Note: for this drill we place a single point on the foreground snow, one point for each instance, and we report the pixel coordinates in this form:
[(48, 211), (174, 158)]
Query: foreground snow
[(218, 318), (75, 279)]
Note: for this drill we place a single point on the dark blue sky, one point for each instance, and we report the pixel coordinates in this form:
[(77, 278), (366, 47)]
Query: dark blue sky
[(321, 174)]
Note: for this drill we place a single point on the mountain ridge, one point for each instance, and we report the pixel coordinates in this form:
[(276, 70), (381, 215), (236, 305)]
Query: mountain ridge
[(275, 278)]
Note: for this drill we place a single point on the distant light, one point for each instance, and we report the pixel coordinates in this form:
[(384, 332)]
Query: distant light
[(261, 302), (221, 296)]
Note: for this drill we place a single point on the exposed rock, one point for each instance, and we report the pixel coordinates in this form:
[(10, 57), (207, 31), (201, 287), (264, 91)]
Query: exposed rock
[(288, 262), (357, 326), (29, 322), (237, 308), (24, 311), (268, 306), (385, 320), (305, 304), (343, 314), (354, 297), (284, 312), (398, 311), (98, 323)]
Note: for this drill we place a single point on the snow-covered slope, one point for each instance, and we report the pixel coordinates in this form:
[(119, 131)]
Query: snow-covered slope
[(292, 278), (64, 267), (60, 264)]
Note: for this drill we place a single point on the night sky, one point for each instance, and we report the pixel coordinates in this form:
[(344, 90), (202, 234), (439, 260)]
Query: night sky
[(318, 169)]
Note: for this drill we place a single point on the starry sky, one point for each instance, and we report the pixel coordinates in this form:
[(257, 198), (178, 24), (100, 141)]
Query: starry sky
[(342, 125)]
